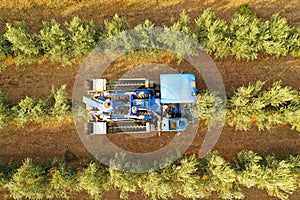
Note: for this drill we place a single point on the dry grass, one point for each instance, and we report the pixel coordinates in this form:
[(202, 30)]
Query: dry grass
[(26, 4), (136, 11), (288, 8)]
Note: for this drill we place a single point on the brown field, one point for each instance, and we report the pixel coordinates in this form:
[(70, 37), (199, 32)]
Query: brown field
[(35, 80)]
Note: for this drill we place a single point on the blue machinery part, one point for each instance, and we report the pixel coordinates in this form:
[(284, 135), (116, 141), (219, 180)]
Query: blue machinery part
[(178, 88), (137, 105)]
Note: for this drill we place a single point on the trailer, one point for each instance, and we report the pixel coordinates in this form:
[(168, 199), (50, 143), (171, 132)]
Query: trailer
[(140, 105)]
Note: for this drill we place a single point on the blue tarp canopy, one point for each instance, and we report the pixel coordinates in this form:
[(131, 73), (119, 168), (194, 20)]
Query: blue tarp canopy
[(177, 88)]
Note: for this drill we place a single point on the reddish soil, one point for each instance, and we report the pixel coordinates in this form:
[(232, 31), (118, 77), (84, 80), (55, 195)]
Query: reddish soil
[(34, 11), (40, 142), (250, 194), (35, 80), (54, 138)]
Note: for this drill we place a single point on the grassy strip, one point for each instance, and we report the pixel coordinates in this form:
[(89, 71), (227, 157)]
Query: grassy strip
[(244, 37), (190, 177)]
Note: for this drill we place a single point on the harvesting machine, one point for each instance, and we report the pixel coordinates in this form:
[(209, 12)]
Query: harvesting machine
[(140, 105)]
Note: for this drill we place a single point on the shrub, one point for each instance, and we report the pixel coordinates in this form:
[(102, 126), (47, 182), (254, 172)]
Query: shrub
[(276, 178), (267, 173), (268, 119), (28, 182), (62, 183), (62, 105), (244, 10), (187, 181), (116, 25), (202, 24), (242, 105), (146, 37), (294, 41), (221, 177), (57, 106), (183, 24), (122, 42), (208, 104), (24, 44), (295, 163), (212, 34), (248, 166), (55, 41), (276, 100), (126, 182), (5, 47), (267, 108), (245, 34), (278, 95), (122, 175), (178, 43), (7, 170), (30, 109), (292, 116), (158, 185), (275, 36), (5, 50), (94, 180), (84, 35)]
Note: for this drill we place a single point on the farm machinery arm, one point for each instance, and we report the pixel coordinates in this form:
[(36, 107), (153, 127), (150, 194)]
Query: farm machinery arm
[(136, 105)]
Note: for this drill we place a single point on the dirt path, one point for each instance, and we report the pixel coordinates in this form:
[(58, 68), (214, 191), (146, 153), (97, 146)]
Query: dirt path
[(250, 194), (40, 143), (160, 12), (36, 80)]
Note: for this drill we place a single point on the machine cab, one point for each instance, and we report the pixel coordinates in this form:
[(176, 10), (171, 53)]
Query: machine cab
[(174, 124)]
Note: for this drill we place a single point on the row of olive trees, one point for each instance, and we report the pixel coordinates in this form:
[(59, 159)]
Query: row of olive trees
[(243, 37), (253, 105), (59, 43), (78, 37), (264, 108), (57, 106), (247, 106), (189, 177)]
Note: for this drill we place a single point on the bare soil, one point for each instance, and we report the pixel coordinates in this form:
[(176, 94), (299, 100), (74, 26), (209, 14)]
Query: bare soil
[(54, 138), (36, 80), (34, 11)]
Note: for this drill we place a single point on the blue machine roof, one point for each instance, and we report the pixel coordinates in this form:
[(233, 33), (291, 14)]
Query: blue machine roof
[(177, 88)]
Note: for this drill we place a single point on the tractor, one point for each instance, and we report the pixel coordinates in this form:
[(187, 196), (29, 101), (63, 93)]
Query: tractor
[(134, 105)]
